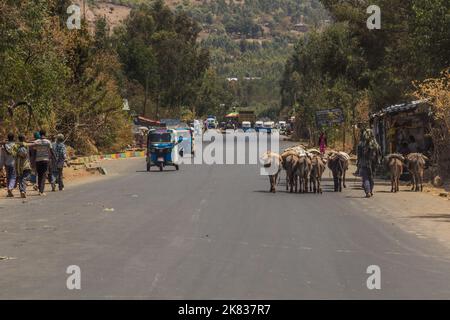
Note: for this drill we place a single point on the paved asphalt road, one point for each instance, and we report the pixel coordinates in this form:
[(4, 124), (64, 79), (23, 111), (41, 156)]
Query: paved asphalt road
[(209, 232)]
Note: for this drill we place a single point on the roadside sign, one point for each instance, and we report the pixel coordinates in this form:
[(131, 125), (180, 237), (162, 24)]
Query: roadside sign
[(329, 117), (126, 106)]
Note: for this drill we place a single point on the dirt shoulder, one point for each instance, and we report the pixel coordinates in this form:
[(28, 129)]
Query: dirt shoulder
[(424, 214), (76, 175), (72, 176)]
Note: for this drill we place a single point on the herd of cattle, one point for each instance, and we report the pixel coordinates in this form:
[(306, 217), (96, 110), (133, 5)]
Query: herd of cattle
[(304, 168)]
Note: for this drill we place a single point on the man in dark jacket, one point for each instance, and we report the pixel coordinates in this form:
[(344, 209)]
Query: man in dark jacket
[(369, 155)]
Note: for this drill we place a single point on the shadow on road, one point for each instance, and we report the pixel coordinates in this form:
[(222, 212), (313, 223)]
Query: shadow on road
[(155, 171), (433, 216)]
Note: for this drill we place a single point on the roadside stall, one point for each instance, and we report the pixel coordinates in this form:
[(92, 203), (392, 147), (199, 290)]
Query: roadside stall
[(232, 120), (141, 128), (149, 123), (403, 128)]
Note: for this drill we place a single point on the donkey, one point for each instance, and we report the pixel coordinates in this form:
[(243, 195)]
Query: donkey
[(287, 157), (317, 169), (303, 171), (273, 162), (416, 165), (291, 164), (395, 163), (338, 164)]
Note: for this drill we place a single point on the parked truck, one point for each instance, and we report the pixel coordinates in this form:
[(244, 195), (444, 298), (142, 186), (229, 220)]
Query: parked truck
[(247, 115)]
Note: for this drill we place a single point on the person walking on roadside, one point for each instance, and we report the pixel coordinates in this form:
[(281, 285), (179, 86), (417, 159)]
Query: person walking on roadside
[(33, 177), (60, 152), (44, 153), (52, 171), (8, 159), (23, 165), (322, 142), (369, 155)]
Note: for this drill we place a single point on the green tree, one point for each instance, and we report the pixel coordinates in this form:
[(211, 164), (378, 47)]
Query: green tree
[(159, 50)]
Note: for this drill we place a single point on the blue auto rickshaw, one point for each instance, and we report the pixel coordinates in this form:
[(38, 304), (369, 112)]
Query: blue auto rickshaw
[(162, 149)]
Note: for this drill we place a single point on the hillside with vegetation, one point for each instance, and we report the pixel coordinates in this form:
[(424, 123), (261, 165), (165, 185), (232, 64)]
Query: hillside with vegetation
[(248, 40), (73, 81), (360, 70), (192, 58)]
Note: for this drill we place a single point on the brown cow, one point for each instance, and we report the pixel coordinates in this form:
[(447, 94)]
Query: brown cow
[(416, 165)]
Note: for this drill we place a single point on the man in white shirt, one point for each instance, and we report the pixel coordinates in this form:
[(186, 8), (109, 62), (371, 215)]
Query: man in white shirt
[(44, 152)]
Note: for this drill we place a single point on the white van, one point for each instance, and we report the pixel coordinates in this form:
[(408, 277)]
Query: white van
[(268, 124), (246, 124), (258, 125)]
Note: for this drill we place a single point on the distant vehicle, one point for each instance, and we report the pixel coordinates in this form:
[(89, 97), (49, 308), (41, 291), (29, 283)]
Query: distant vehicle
[(258, 125), (246, 115), (281, 124), (230, 125), (162, 149), (246, 125), (269, 124), (268, 127), (211, 123)]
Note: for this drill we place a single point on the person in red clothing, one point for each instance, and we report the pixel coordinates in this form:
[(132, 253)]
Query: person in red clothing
[(322, 142)]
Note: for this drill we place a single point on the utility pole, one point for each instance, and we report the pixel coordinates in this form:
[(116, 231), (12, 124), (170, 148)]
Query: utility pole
[(295, 101), (343, 136), (146, 95)]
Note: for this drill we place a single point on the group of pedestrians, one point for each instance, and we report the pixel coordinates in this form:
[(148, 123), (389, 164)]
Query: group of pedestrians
[(33, 162)]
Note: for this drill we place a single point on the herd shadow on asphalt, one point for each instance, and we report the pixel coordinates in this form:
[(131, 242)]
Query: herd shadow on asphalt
[(352, 184), (156, 171), (326, 188)]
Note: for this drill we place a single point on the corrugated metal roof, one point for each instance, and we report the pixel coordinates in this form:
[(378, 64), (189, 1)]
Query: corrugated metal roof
[(402, 107)]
